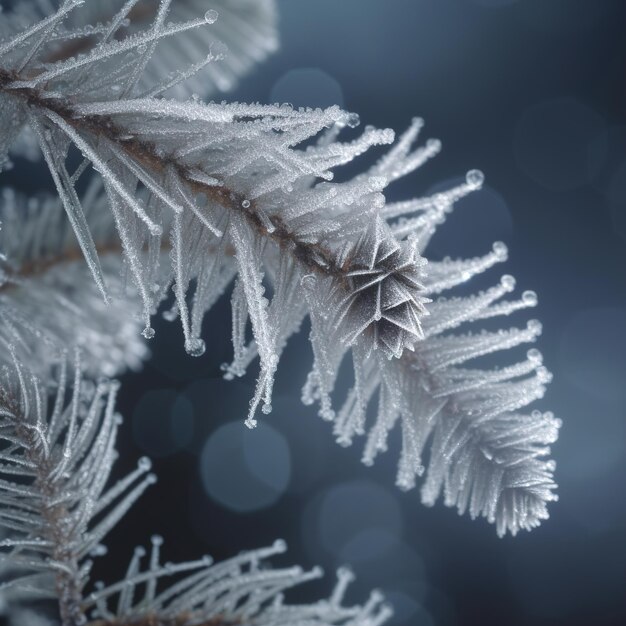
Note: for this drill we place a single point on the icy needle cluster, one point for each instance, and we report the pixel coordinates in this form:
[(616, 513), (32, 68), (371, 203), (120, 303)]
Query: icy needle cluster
[(245, 193)]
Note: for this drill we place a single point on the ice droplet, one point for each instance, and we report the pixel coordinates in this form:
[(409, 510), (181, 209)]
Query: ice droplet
[(245, 204), (345, 573), (434, 144), (144, 463), (544, 375), (195, 347), (500, 250), (308, 282), (529, 298), (475, 179), (534, 355), (353, 120), (98, 550), (210, 17), (218, 50), (148, 332), (280, 545), (508, 282), (171, 314)]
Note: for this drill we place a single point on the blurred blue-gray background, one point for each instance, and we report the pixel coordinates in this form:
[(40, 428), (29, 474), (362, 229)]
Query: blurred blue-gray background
[(532, 92)]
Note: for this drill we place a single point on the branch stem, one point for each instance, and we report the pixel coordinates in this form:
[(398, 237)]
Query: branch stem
[(314, 257)]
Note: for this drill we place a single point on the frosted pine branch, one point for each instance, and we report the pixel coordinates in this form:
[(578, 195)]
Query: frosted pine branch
[(243, 34), (318, 235), (198, 62), (57, 455), (240, 590), (230, 191)]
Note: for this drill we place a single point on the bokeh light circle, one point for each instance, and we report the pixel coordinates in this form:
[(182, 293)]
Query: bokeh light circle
[(307, 86), (352, 507), (561, 144), (407, 610), (592, 353), (245, 470), (163, 422)]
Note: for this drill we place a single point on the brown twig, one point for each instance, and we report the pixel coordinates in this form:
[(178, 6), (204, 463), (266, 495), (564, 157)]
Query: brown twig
[(54, 515)]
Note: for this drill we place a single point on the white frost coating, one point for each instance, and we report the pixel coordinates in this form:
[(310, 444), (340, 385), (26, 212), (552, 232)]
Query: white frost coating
[(333, 251)]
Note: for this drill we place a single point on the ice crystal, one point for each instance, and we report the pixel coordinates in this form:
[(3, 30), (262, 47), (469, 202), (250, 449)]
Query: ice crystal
[(245, 192)]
